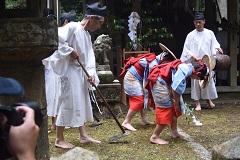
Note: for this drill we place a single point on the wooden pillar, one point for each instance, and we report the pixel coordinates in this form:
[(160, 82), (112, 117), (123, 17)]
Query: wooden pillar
[(210, 15), (233, 18), (2, 5), (136, 6)]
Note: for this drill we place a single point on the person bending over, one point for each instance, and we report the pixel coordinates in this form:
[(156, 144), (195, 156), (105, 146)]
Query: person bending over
[(167, 82)]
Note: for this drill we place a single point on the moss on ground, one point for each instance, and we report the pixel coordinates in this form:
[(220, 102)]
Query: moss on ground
[(219, 125)]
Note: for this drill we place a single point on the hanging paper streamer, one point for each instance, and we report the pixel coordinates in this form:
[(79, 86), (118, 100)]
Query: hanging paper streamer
[(133, 21)]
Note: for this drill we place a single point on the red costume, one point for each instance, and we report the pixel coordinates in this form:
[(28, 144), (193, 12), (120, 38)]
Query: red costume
[(136, 103)]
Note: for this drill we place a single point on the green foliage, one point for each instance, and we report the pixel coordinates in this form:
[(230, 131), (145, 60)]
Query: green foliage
[(147, 35), (148, 31), (188, 112), (114, 24), (15, 4), (73, 6)]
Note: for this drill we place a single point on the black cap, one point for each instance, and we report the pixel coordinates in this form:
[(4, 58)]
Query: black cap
[(198, 16), (96, 9), (9, 86), (69, 16)]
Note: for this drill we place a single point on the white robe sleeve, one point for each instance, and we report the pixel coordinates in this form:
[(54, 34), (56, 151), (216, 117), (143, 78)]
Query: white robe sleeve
[(187, 53), (64, 36), (60, 58), (215, 45)]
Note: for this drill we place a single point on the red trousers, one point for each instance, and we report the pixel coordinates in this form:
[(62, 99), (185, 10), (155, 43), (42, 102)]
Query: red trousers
[(136, 103), (164, 115)]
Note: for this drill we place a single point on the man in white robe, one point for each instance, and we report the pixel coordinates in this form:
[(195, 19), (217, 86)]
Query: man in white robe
[(52, 80), (75, 46), (199, 42)]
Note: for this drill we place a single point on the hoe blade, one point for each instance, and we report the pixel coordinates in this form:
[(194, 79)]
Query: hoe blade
[(119, 136)]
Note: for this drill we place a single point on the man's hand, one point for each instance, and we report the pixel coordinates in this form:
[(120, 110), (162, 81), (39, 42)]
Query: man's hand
[(91, 79), (220, 50), (22, 139), (74, 55), (195, 58)]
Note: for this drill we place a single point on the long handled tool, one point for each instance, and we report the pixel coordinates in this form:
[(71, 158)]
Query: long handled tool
[(124, 133)]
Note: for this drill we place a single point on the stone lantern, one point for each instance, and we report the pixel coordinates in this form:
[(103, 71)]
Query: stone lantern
[(27, 37)]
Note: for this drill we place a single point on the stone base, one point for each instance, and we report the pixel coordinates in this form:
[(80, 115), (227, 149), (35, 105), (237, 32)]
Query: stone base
[(78, 153), (112, 95), (106, 114), (103, 67), (111, 92), (227, 150)]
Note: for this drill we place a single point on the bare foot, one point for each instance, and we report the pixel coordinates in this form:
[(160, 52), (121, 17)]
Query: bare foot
[(64, 144), (146, 122), (175, 135), (53, 127), (88, 140), (128, 126), (210, 103), (198, 109), (198, 106), (158, 140)]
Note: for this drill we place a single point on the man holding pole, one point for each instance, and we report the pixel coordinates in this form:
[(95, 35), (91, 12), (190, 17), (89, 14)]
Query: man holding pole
[(75, 46)]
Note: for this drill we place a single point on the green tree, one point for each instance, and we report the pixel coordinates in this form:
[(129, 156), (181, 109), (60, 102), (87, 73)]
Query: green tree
[(15, 4), (148, 30), (74, 6)]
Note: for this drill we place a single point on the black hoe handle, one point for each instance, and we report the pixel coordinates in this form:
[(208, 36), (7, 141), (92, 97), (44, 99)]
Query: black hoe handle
[(99, 92)]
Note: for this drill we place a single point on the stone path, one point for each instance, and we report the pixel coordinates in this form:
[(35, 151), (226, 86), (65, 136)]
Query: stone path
[(198, 148)]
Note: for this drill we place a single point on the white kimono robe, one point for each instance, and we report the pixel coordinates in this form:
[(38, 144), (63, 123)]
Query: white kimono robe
[(199, 44), (52, 86), (75, 108)]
